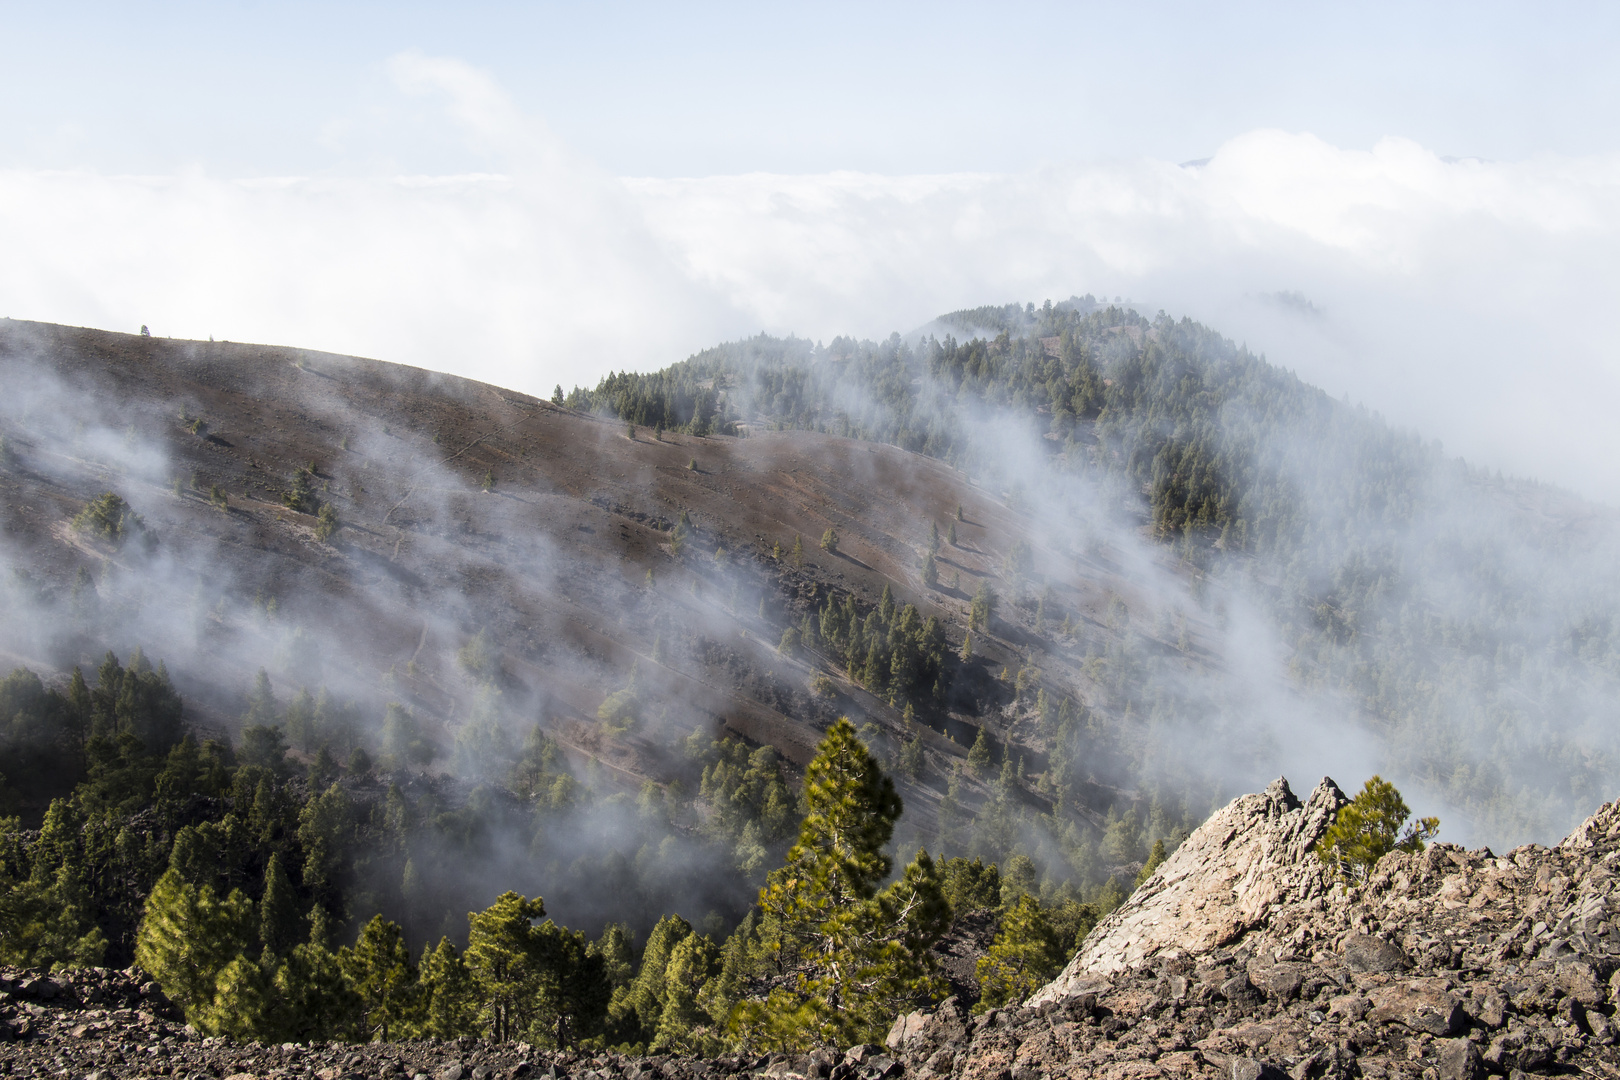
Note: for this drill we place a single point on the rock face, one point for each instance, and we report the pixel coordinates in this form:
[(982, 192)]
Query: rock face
[(1242, 958), (1228, 877)]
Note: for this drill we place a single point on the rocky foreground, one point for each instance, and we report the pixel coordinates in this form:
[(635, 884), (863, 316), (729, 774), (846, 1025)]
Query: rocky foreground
[(1241, 957)]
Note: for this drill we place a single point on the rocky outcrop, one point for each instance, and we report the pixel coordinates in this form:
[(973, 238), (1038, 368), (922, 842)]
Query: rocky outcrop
[(1246, 960), (1247, 861)]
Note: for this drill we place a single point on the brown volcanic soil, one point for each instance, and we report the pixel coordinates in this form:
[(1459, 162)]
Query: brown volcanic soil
[(552, 562)]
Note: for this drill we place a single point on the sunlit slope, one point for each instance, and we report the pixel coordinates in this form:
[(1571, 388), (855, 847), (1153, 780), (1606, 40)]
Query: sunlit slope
[(502, 562)]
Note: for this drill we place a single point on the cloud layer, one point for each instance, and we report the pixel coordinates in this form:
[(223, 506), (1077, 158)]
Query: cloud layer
[(1468, 299)]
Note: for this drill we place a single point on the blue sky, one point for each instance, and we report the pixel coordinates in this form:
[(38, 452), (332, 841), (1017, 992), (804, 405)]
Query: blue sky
[(532, 194), (693, 90)]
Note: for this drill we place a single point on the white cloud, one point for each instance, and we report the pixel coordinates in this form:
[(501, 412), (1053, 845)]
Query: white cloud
[(1470, 299)]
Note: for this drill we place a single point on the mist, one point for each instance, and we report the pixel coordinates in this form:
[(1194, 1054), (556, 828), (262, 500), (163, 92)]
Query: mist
[(1466, 298)]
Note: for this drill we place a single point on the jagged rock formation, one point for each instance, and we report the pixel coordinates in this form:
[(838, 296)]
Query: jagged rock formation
[(1242, 958), (1242, 864), (1446, 965)]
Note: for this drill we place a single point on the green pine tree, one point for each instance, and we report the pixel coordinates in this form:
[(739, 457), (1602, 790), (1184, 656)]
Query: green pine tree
[(978, 758), (1155, 860), (1024, 957), (505, 954), (857, 956), (187, 937), (311, 997), (691, 965), (983, 608), (1370, 827), (280, 921), (449, 1003), (380, 970)]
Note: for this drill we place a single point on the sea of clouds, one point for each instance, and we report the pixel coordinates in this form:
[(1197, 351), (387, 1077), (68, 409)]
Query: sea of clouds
[(1469, 299)]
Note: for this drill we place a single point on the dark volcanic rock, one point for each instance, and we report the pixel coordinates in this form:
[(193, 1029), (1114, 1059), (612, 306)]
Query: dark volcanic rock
[(1363, 952), (1242, 957)]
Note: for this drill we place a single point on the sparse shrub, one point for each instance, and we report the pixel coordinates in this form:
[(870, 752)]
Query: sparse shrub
[(984, 606), (302, 496), (489, 480), (198, 427), (620, 711), (220, 501), (326, 523), (108, 517), (789, 645), (822, 686), (1020, 561), (478, 657), (692, 464)]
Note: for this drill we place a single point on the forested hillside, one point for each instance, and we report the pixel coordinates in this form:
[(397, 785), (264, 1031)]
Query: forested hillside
[(1467, 620)]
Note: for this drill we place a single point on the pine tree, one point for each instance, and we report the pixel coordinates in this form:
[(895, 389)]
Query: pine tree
[(379, 969), (188, 936), (966, 652), (692, 964), (1155, 860), (857, 955), (312, 999), (241, 1005), (327, 523), (978, 758), (449, 1002), (504, 953), (798, 551), (637, 1009), (984, 606), (280, 924), (829, 541), (1369, 827), (950, 533), (618, 954), (572, 991), (1024, 957), (262, 709)]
